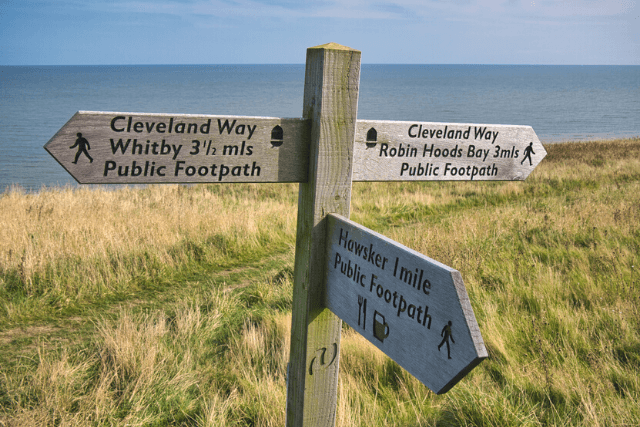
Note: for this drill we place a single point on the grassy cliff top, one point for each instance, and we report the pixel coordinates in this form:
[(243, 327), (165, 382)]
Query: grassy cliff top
[(170, 305)]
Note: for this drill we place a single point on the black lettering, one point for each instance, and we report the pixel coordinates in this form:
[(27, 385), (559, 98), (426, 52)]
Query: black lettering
[(373, 282), (179, 167), (137, 147), (402, 305), (230, 150), (426, 285), (224, 171), (424, 318), (338, 259), (371, 253), (109, 166), (120, 145), (196, 147), (113, 124), (406, 275), (226, 126), (255, 169), (206, 127), (343, 239)]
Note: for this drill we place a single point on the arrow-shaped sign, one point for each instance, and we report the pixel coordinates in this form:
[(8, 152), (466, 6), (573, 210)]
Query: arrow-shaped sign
[(413, 308), (120, 148), (420, 151)]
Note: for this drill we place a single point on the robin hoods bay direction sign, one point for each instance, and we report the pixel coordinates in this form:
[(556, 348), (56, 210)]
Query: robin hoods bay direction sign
[(413, 308), (418, 151)]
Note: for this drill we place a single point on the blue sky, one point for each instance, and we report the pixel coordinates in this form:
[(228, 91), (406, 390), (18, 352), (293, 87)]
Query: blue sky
[(74, 32)]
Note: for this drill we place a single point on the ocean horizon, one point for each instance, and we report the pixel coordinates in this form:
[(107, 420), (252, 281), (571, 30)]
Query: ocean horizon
[(560, 102)]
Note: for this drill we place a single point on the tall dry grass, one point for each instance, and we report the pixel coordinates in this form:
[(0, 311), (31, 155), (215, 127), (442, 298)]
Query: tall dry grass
[(73, 245), (159, 368)]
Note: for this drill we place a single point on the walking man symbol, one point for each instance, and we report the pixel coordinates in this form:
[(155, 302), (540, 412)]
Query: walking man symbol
[(446, 332), (83, 146), (528, 151)]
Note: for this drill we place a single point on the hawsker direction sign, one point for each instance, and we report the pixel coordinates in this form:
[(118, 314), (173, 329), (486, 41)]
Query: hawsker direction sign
[(413, 308)]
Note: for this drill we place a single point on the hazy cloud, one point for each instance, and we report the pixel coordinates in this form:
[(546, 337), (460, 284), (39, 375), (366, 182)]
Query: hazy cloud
[(480, 31), (348, 9)]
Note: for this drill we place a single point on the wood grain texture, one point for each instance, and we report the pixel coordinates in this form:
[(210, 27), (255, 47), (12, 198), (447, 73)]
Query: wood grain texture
[(402, 301), (330, 103), (142, 148), (423, 151)]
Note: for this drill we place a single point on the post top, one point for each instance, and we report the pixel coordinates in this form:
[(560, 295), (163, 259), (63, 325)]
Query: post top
[(333, 46)]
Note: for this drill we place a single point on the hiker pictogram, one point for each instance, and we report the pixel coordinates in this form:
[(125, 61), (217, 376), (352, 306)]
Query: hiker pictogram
[(528, 151), (446, 333), (83, 147)]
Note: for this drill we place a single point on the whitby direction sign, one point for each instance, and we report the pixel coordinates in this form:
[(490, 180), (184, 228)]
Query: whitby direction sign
[(139, 148), (412, 307)]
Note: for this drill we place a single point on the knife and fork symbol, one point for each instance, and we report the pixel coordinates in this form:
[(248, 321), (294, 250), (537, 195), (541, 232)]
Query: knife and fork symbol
[(362, 311)]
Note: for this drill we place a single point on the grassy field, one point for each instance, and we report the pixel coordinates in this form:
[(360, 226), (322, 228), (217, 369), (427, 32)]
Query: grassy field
[(171, 305)]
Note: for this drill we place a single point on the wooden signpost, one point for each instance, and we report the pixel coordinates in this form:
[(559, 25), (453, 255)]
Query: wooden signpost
[(413, 308)]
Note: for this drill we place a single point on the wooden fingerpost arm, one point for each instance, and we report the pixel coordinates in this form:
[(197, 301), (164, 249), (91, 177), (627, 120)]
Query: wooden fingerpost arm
[(332, 79)]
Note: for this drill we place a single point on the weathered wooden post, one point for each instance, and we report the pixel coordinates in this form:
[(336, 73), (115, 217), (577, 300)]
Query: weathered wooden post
[(331, 85)]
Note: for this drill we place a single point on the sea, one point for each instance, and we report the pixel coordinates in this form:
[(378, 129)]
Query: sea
[(561, 103)]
